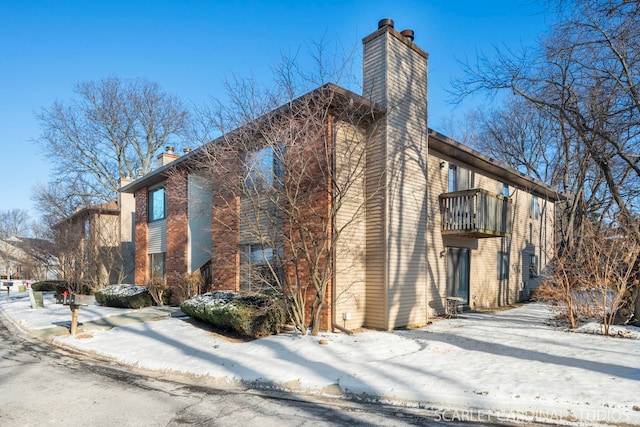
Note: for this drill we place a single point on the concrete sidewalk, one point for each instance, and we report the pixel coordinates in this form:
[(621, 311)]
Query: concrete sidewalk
[(114, 321)]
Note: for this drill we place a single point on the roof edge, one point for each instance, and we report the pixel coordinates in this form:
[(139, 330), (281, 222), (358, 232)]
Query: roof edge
[(159, 174), (454, 149)]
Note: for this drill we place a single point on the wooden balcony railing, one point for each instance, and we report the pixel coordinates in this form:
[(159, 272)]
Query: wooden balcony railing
[(475, 213)]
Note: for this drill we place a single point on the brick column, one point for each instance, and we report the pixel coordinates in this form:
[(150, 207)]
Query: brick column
[(177, 233), (141, 268)]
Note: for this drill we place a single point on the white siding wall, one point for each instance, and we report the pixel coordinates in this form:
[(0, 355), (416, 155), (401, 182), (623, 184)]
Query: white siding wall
[(200, 216), (127, 205)]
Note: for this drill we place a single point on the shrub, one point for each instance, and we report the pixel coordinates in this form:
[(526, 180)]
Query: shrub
[(124, 296), (59, 286), (188, 286), (250, 314), (159, 291), (48, 286), (594, 277)]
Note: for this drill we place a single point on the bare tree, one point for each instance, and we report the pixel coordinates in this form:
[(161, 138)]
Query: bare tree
[(585, 75), (111, 131), (291, 184), (13, 223), (598, 278), (539, 143), (38, 261), (288, 183), (88, 249)]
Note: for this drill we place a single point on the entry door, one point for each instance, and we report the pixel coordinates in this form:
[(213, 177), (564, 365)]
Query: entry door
[(458, 263)]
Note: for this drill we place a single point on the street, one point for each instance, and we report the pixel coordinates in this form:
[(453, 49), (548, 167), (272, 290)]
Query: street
[(44, 385)]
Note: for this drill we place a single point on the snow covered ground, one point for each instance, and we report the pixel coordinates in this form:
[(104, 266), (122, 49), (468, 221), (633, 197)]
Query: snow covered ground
[(509, 365)]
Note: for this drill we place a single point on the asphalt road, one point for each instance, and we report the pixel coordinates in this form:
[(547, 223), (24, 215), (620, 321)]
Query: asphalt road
[(43, 385)]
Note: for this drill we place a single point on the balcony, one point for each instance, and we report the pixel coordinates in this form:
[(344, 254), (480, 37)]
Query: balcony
[(475, 213)]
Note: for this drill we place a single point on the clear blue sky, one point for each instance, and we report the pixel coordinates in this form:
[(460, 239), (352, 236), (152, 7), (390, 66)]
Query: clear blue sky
[(189, 46)]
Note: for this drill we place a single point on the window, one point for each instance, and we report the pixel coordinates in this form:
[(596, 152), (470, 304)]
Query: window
[(505, 190), (157, 265), (157, 205), (261, 255), (535, 208), (503, 266), (459, 179), (264, 169), (533, 266), (258, 265)]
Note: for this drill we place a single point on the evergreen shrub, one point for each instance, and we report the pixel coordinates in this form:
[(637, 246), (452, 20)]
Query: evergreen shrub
[(125, 296), (247, 314)]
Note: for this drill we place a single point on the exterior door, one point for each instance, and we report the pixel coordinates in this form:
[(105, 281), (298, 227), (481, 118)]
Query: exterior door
[(459, 179), (458, 263)]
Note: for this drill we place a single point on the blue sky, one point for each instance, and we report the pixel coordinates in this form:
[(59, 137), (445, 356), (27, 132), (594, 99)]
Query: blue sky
[(189, 47)]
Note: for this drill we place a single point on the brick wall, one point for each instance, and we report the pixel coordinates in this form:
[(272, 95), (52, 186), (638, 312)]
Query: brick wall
[(310, 222), (225, 243), (225, 223), (177, 233), (141, 268)]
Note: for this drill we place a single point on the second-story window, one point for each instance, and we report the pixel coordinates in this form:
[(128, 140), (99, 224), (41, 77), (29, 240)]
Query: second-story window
[(459, 178), (263, 169), (535, 208), (157, 204)]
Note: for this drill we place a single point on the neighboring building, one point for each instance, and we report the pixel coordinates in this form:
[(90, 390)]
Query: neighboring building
[(95, 244), (438, 220), (23, 258)]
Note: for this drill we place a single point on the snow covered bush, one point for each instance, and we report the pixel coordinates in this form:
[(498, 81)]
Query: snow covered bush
[(124, 296), (248, 314)]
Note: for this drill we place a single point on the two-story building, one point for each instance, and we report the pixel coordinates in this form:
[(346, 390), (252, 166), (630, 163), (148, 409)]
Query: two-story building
[(94, 245), (425, 219)]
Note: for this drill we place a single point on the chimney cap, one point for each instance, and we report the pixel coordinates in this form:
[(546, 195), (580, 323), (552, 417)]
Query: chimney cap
[(409, 34), (385, 22)]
